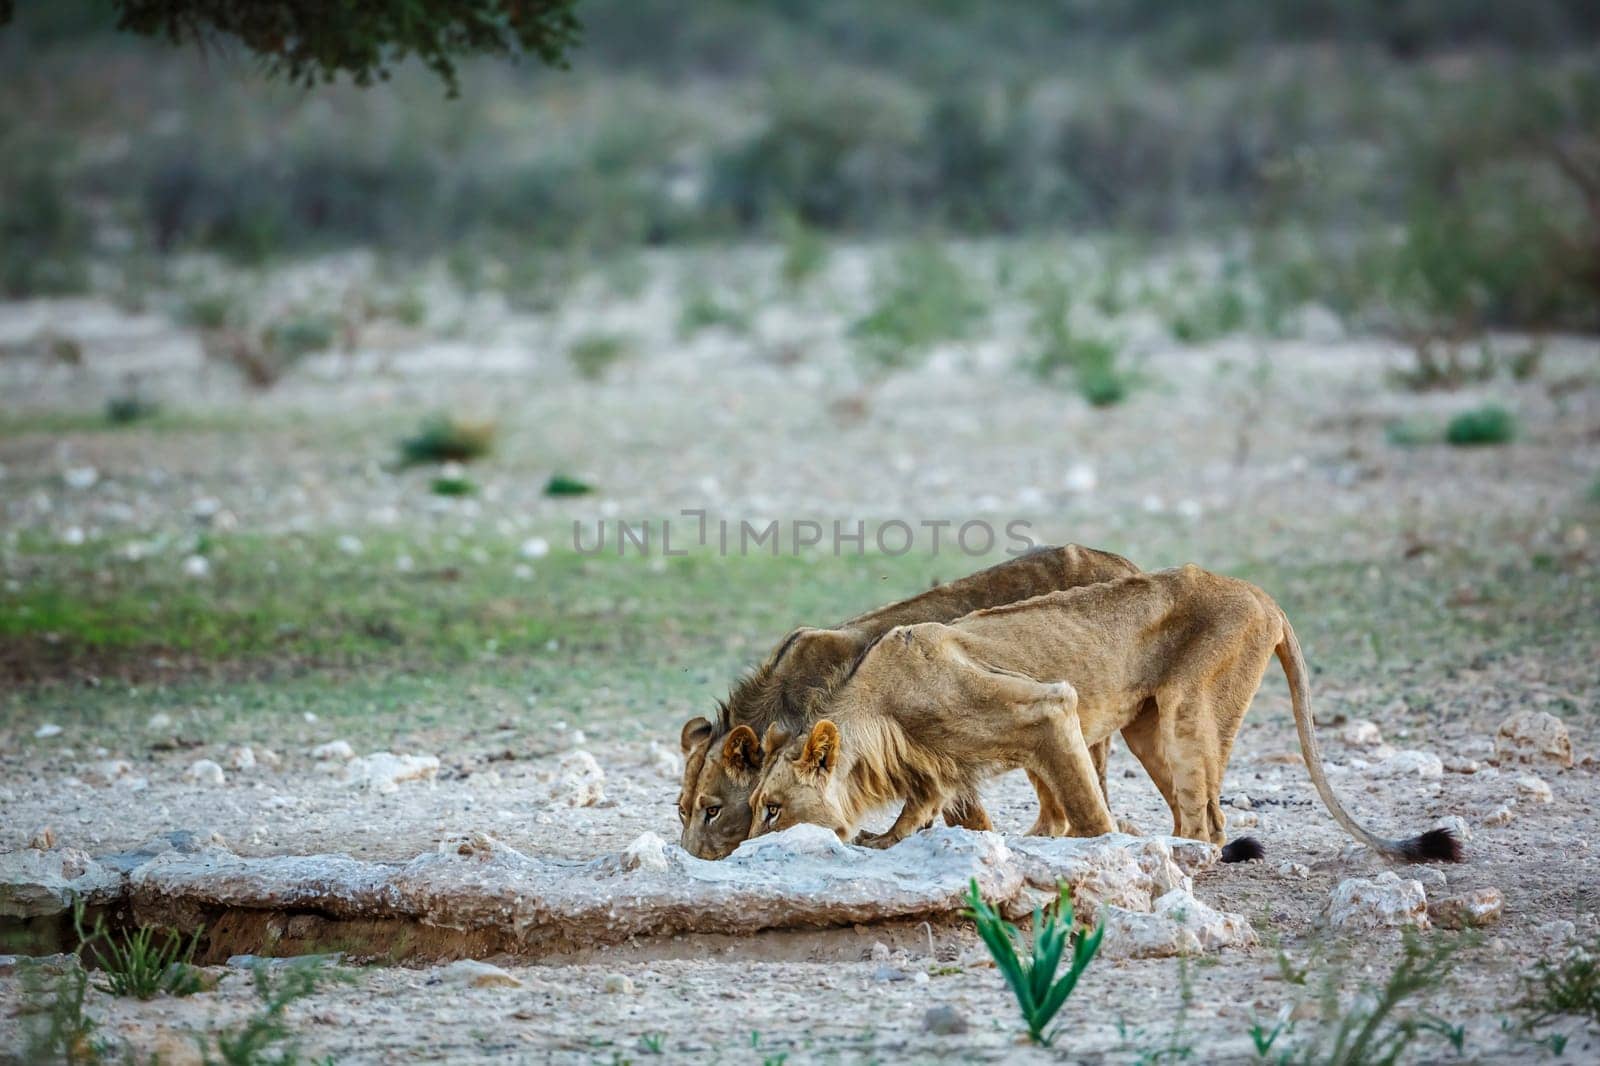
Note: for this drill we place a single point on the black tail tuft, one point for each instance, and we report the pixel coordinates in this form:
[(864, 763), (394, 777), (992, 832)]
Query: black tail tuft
[(1436, 845), (1245, 849)]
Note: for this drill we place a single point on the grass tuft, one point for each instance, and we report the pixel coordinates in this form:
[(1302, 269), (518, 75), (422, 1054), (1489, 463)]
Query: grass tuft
[(1485, 425), (265, 1038), (447, 439), (135, 965), (1040, 994), (1569, 986), (594, 354), (924, 298), (562, 485)]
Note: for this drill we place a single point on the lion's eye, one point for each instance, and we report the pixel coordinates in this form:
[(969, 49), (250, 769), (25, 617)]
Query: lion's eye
[(773, 811), (711, 814)]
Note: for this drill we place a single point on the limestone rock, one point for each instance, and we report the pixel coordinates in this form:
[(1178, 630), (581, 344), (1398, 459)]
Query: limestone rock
[(242, 758), (1457, 826), (470, 973), (384, 771), (106, 771), (1458, 764), (1178, 924), (619, 984), (1422, 764), (35, 883), (205, 772), (1533, 737), (43, 838), (944, 1021), (1534, 789), (1468, 911), (1382, 902), (1361, 733), (1501, 815), (333, 750), (1129, 872), (579, 781)]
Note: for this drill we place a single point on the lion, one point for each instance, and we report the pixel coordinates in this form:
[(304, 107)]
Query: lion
[(1172, 659), (722, 759)]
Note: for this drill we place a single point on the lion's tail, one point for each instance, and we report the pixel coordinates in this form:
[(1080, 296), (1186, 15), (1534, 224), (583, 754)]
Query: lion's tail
[(1436, 845)]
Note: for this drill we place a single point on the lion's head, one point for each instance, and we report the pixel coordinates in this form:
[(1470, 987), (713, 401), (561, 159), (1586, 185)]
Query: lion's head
[(794, 786), (718, 773)]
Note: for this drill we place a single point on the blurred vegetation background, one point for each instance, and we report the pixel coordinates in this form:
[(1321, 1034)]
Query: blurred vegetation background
[(1435, 160)]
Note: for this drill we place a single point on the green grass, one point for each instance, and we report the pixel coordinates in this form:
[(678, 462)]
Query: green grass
[(1568, 986), (594, 354), (446, 439), (134, 964), (1030, 970), (923, 298), (1062, 349), (1484, 425), (265, 1039)]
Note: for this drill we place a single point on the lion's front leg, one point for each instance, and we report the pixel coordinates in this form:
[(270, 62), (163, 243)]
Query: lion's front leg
[(918, 813)]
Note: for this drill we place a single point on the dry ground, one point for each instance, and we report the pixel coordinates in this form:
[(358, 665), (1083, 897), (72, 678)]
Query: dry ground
[(1437, 590)]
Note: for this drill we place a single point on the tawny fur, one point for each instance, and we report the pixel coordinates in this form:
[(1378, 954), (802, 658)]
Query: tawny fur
[(1171, 659), (718, 770)]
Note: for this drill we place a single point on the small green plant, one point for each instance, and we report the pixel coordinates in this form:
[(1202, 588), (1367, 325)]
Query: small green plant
[(453, 486), (1062, 349), (59, 1030), (654, 1043), (805, 251), (1209, 313), (299, 334), (214, 310), (128, 408), (1484, 425), (924, 298), (702, 310), (447, 439), (264, 1039), (562, 485), (1373, 1032), (593, 354), (1040, 994), (135, 965), (1570, 986), (1262, 1038)]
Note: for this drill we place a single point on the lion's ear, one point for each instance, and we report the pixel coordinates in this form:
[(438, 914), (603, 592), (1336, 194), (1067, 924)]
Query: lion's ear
[(776, 738), (741, 751), (813, 652), (821, 752), (696, 731)]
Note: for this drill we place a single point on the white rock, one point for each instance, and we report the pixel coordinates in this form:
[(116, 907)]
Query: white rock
[(1500, 816), (1457, 764), (665, 762), (197, 567), (534, 548), (48, 730), (1383, 902), (205, 772), (470, 973), (43, 838), (1361, 733), (333, 750), (579, 781), (1535, 789), (73, 536), (1422, 764), (1178, 924), (159, 721), (267, 757), (107, 771), (1533, 737), (1294, 870), (384, 771), (1457, 826), (350, 544), (647, 852), (619, 983), (242, 758), (80, 477), (1470, 910), (1080, 478)]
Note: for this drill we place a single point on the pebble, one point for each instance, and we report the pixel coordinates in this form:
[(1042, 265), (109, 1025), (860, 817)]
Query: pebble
[(1457, 764), (1361, 733), (1383, 902), (619, 983), (197, 567), (1080, 478), (534, 548), (1535, 789), (48, 730), (471, 973), (159, 721), (43, 838), (1457, 826), (1501, 815), (1423, 764), (242, 758), (944, 1021), (333, 749), (205, 772), (1470, 910), (1297, 870)]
